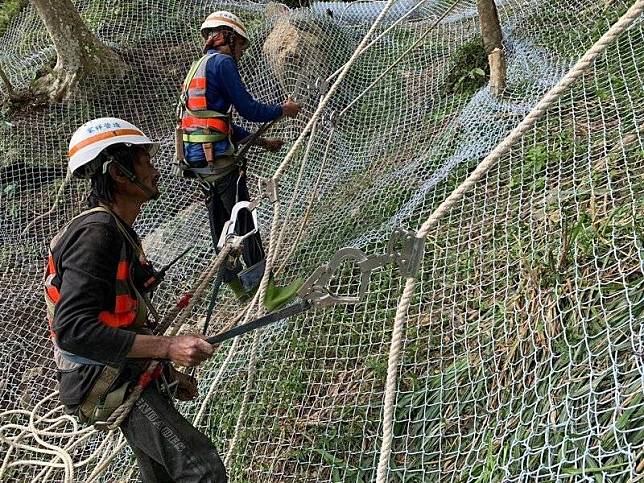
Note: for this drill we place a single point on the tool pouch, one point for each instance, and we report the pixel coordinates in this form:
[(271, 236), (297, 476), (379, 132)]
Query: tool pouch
[(251, 277), (107, 405), (208, 149)]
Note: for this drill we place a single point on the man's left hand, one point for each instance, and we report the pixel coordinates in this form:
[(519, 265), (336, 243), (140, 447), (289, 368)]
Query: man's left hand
[(273, 144), (186, 385)]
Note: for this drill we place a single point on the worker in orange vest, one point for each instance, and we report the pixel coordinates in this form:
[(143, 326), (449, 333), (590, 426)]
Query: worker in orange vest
[(207, 140)]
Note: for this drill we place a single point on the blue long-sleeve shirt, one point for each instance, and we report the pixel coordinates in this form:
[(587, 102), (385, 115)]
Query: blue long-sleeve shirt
[(224, 88)]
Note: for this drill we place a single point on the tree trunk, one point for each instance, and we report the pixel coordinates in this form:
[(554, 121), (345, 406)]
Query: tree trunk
[(493, 44), (79, 51), (490, 25)]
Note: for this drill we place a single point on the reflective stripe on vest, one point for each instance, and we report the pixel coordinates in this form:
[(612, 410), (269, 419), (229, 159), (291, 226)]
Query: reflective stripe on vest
[(194, 87), (218, 124), (125, 305)]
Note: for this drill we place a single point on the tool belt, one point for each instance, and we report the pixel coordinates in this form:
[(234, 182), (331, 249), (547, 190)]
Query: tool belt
[(209, 173), (101, 402)]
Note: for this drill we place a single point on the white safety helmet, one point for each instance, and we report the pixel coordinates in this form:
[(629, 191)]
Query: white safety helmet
[(222, 18), (94, 136)]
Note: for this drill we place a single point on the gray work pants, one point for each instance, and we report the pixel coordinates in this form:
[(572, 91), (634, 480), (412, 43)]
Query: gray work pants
[(167, 447)]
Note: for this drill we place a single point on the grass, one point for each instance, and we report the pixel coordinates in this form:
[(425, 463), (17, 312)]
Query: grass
[(592, 19), (551, 339)]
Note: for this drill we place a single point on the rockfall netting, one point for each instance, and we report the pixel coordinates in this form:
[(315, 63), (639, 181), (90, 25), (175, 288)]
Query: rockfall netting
[(516, 353)]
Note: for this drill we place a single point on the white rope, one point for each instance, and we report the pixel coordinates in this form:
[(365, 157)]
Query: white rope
[(103, 465), (379, 36), (331, 91), (390, 386), (296, 188), (112, 423), (215, 383), (275, 238), (120, 413), (305, 217), (201, 286), (582, 65), (33, 432), (61, 455), (76, 443), (250, 380), (400, 58), (257, 300)]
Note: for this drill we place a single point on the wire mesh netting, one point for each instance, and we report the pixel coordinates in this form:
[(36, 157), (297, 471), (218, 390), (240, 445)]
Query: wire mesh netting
[(523, 344)]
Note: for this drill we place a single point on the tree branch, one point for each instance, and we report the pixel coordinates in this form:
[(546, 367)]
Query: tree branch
[(7, 84)]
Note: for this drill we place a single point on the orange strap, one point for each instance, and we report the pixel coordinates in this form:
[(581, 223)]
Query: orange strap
[(197, 103), (197, 83), (103, 135), (220, 125), (117, 320)]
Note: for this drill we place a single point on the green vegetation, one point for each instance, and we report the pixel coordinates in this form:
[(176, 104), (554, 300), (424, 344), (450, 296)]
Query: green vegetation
[(8, 10), (469, 69), (492, 364), (593, 20)]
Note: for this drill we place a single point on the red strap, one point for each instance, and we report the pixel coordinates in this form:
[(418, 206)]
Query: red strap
[(124, 303), (150, 375), (197, 103), (123, 270), (220, 125), (198, 83), (53, 294), (50, 289), (183, 302)]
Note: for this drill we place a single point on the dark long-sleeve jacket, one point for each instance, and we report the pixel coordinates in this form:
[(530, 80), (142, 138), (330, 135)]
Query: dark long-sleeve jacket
[(86, 260)]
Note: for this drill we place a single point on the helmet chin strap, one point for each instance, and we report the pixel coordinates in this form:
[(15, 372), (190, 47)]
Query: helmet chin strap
[(153, 195)]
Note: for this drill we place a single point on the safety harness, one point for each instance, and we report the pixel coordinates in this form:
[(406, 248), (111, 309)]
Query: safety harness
[(130, 313), (200, 125)]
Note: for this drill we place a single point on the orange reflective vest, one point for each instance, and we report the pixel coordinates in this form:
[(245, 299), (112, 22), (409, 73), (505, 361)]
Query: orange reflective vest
[(125, 305), (129, 311), (199, 124)]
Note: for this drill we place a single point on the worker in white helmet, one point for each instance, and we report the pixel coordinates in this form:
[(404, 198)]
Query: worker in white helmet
[(98, 311), (207, 139)]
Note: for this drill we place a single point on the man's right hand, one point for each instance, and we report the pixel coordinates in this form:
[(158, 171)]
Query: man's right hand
[(290, 108), (188, 350)]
